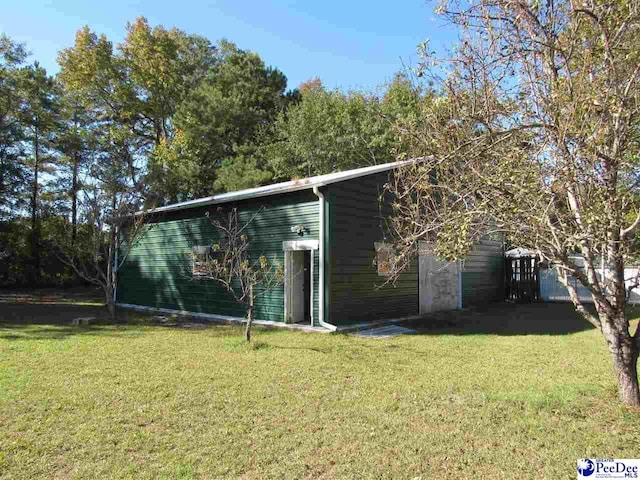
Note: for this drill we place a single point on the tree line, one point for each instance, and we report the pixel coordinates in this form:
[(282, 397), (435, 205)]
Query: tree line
[(164, 116)]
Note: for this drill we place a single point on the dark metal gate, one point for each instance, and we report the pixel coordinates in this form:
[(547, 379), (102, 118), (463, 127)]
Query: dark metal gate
[(523, 279)]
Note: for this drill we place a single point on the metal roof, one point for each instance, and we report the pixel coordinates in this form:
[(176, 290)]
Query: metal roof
[(284, 187)]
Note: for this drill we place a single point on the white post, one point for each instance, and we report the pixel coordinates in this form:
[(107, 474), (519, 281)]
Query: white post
[(311, 289)]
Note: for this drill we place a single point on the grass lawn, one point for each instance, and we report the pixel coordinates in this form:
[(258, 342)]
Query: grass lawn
[(146, 401)]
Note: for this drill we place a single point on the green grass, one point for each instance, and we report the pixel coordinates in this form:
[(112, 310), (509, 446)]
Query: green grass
[(142, 401)]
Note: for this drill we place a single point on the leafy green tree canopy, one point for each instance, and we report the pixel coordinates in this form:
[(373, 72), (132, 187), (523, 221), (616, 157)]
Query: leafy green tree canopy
[(329, 131), (141, 83), (223, 122)]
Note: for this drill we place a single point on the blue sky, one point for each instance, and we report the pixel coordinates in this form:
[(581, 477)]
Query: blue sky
[(348, 44)]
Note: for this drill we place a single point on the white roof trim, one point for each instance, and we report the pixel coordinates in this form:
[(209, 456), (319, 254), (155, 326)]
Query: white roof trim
[(284, 187)]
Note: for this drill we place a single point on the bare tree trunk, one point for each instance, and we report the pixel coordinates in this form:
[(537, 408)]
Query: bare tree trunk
[(627, 372), (247, 328), (611, 320), (74, 199), (625, 359), (35, 224), (111, 306), (110, 276)]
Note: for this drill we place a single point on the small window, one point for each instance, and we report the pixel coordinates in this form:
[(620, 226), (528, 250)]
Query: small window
[(200, 258), (384, 258)]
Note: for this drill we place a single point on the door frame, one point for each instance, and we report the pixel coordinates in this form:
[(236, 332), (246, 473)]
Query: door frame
[(292, 246)]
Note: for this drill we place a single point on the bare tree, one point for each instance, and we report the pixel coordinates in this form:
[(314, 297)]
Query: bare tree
[(534, 137), (231, 264), (110, 224), (102, 244)]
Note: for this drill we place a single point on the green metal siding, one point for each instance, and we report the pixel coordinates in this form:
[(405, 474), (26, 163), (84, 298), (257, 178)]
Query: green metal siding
[(483, 274), (157, 272), (356, 221)]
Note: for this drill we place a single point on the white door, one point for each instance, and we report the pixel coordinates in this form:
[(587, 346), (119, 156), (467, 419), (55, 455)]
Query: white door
[(438, 283)]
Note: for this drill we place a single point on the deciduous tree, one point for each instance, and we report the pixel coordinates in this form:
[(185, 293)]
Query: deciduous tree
[(231, 263), (328, 131), (109, 226), (142, 81), (535, 137)]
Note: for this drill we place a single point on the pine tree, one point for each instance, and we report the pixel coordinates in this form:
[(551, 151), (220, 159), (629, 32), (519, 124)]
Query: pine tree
[(38, 115)]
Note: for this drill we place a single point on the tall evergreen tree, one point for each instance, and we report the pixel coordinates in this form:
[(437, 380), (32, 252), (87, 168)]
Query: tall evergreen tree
[(224, 121), (39, 119), (12, 57), (77, 144)]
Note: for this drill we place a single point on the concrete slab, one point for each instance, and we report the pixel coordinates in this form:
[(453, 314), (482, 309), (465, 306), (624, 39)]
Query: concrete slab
[(385, 332)]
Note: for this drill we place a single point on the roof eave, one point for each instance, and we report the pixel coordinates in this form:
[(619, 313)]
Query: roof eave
[(280, 188)]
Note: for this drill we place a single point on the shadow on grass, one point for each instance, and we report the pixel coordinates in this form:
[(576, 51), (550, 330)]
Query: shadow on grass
[(505, 319), (58, 314), (56, 322), (308, 349), (511, 319), (37, 332), (51, 295), (34, 321), (52, 322)]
